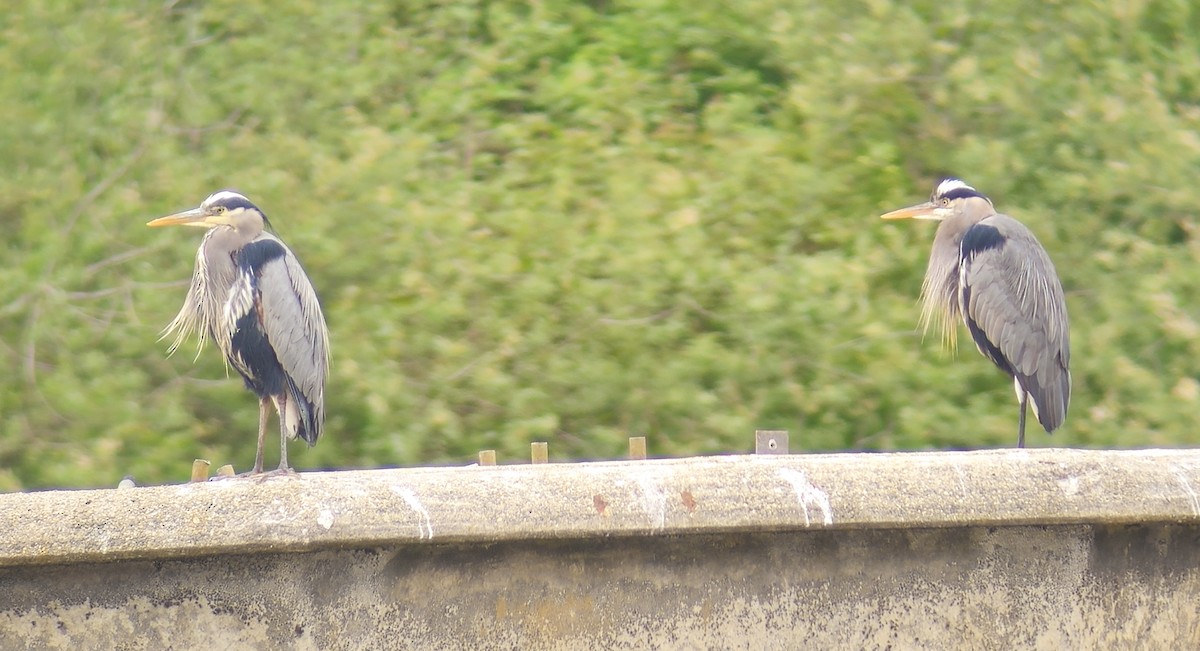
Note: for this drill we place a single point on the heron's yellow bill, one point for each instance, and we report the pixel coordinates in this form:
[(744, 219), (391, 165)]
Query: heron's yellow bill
[(193, 217), (920, 211)]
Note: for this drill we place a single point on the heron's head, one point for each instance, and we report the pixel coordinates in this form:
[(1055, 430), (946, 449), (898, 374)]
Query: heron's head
[(950, 197), (222, 208)]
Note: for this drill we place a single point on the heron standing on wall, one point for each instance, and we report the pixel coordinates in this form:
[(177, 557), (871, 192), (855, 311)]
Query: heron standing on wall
[(250, 295), (989, 269)]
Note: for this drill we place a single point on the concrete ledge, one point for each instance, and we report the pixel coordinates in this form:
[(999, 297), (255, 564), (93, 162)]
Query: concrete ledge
[(1006, 549), (703, 495)]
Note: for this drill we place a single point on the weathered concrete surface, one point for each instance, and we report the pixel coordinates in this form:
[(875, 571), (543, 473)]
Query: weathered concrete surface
[(987, 550)]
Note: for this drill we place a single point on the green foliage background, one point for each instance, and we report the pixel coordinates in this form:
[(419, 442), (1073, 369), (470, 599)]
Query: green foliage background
[(578, 222)]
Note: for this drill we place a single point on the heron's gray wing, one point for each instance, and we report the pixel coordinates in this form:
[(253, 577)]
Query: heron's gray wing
[(1012, 302), (295, 328)]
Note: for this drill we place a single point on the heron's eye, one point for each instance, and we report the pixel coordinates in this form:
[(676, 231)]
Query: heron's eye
[(220, 210), (945, 201)]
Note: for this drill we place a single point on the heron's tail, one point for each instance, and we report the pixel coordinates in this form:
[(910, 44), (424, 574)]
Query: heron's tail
[(309, 415)]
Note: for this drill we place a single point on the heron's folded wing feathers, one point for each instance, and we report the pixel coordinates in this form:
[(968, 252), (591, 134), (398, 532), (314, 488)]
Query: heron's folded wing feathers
[(295, 327), (1013, 304)]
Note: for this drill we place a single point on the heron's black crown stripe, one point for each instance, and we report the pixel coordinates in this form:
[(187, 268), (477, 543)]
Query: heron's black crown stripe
[(961, 193), (980, 238), (236, 201), (258, 253)]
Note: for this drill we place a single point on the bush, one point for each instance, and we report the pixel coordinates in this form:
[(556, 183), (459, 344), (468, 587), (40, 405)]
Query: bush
[(579, 222)]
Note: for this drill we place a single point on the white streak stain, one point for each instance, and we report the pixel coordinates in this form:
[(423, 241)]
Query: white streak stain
[(654, 502), (962, 480), (425, 524), (1182, 478), (325, 518), (807, 494), (1069, 485)]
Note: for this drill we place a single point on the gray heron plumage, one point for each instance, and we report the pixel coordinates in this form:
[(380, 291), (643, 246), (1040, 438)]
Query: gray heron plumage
[(252, 298), (990, 270)]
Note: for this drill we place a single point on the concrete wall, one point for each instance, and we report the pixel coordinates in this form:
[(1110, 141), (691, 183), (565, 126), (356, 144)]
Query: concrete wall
[(1053, 549)]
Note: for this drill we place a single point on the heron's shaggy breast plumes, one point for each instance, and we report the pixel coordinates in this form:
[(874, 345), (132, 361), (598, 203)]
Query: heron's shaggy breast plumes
[(204, 304), (939, 292)]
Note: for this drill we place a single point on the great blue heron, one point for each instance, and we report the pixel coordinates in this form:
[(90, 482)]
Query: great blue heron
[(250, 295), (990, 269)]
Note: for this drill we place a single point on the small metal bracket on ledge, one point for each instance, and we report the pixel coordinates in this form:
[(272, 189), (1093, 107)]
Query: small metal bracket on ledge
[(770, 441), (200, 470), (637, 448)]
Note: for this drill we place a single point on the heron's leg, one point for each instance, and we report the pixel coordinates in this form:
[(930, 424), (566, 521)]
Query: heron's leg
[(283, 434), (264, 413), (1021, 420)]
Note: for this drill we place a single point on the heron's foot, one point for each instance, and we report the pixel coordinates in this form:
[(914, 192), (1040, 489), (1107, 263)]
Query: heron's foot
[(241, 475), (258, 474), (282, 471)]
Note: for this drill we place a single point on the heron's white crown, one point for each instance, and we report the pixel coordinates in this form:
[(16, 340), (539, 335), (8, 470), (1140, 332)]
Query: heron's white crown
[(223, 195), (949, 185)]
